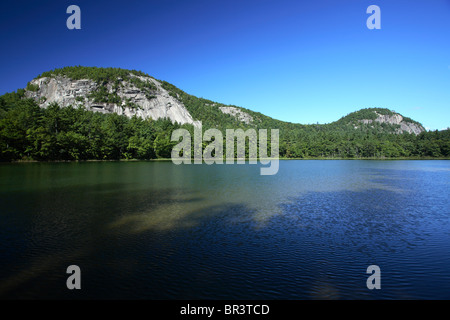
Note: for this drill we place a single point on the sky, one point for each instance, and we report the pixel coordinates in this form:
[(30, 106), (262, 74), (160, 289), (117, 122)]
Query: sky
[(298, 61)]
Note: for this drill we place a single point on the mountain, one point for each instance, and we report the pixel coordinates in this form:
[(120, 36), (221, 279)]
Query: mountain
[(130, 92), (108, 91), (81, 113), (387, 118)]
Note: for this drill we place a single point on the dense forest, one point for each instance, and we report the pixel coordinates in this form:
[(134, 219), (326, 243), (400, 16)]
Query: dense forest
[(28, 132)]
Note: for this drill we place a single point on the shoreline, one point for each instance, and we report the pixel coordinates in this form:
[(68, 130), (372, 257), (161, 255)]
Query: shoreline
[(224, 162)]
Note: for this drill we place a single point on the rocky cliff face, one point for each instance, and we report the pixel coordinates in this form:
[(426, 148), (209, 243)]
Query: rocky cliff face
[(133, 101), (397, 119), (238, 114)]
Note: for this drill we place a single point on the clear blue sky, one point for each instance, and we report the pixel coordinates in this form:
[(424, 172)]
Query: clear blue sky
[(299, 61)]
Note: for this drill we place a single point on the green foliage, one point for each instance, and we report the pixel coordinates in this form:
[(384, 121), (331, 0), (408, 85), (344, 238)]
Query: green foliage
[(163, 145), (54, 133), (369, 114), (9, 100), (206, 111), (130, 104), (364, 114), (32, 87), (99, 75), (102, 95), (406, 119)]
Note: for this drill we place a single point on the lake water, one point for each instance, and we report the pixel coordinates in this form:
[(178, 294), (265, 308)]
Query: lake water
[(154, 230)]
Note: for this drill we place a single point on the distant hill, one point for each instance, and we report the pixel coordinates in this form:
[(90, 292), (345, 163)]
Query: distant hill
[(112, 113), (389, 120)]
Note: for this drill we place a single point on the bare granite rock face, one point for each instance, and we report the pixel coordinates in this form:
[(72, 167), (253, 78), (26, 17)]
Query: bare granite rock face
[(238, 114), (397, 119), (65, 92)]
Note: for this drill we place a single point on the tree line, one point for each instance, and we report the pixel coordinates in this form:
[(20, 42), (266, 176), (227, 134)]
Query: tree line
[(28, 132)]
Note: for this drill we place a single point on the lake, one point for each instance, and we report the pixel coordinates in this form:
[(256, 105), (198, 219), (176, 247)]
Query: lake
[(155, 230)]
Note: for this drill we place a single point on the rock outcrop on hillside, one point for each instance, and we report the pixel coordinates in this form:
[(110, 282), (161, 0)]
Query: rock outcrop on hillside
[(134, 101), (238, 114), (397, 119)]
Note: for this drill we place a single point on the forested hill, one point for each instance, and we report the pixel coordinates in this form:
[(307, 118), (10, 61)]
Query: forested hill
[(80, 113)]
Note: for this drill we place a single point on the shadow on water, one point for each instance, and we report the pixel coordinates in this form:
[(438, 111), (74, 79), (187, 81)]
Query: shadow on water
[(128, 244), (47, 230)]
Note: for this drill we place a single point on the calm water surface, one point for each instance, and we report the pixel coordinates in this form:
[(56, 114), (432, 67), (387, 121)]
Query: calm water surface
[(154, 230)]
